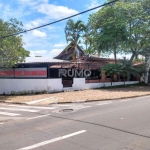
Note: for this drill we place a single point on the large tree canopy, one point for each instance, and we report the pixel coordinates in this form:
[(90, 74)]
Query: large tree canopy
[(137, 27), (123, 27), (108, 30), (11, 48)]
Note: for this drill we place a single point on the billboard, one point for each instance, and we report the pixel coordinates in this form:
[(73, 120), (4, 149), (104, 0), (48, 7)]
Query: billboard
[(24, 72), (6, 73)]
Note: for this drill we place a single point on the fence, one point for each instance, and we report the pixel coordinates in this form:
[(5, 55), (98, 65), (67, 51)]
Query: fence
[(11, 86)]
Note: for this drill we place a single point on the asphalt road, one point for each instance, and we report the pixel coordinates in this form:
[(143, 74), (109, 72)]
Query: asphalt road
[(107, 125)]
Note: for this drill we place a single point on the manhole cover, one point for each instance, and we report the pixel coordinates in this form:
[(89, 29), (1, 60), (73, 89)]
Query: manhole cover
[(66, 110)]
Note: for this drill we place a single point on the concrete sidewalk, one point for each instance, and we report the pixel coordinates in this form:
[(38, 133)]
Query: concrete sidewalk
[(79, 96)]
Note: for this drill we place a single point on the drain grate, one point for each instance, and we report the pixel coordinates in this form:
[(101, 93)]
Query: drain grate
[(66, 110)]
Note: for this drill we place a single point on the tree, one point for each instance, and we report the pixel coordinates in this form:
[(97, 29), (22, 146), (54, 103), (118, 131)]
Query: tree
[(11, 48), (136, 20), (108, 30), (87, 40), (114, 70), (74, 32), (123, 69), (123, 27)]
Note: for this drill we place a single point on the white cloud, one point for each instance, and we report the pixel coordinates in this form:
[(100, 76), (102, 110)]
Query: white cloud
[(34, 23), (7, 11), (62, 45), (38, 33), (38, 53), (93, 4), (32, 2), (55, 52), (39, 22), (51, 10), (33, 42), (55, 11)]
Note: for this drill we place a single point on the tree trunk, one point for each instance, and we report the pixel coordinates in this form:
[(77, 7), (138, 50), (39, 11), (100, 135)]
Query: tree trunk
[(76, 53), (86, 47), (115, 78), (128, 76), (115, 56), (131, 59)]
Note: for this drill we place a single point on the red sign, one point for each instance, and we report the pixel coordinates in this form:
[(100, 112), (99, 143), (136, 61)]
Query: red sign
[(6, 73), (24, 72)]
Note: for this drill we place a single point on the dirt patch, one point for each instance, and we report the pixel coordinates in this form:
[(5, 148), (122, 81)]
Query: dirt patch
[(84, 95)]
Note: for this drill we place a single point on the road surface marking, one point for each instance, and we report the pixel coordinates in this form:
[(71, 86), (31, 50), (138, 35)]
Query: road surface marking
[(16, 109), (79, 101), (63, 105), (52, 140), (37, 117), (36, 107), (9, 114), (40, 100), (2, 123), (82, 107), (125, 100), (104, 103)]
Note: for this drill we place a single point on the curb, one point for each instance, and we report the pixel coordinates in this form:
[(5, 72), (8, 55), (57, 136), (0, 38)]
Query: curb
[(86, 101), (9, 102), (78, 101)]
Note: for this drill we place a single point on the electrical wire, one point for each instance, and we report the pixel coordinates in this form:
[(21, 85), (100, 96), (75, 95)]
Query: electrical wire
[(61, 19)]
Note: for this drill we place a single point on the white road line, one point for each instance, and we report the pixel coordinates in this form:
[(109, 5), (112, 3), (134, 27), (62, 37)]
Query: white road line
[(125, 100), (52, 140), (63, 105), (9, 114), (2, 123), (40, 100), (16, 109), (82, 107), (104, 103), (36, 107), (37, 117), (79, 101)]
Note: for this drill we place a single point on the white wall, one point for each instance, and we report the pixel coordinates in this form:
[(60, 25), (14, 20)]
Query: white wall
[(79, 84), (18, 85), (117, 83), (131, 82), (49, 85), (54, 85)]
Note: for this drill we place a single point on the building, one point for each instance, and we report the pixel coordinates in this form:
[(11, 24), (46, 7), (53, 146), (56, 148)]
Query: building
[(71, 68)]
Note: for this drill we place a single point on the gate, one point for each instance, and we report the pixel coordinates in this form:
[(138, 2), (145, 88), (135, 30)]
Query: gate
[(67, 82)]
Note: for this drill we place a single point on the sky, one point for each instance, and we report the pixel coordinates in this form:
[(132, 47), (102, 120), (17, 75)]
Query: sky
[(48, 41)]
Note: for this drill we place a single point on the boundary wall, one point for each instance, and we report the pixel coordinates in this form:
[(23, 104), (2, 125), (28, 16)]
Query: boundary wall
[(12, 86)]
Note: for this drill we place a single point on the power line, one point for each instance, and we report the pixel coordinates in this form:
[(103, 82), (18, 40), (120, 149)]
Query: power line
[(61, 19)]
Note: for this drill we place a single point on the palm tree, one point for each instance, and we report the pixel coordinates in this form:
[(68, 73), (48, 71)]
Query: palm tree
[(87, 38), (114, 71), (74, 31)]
